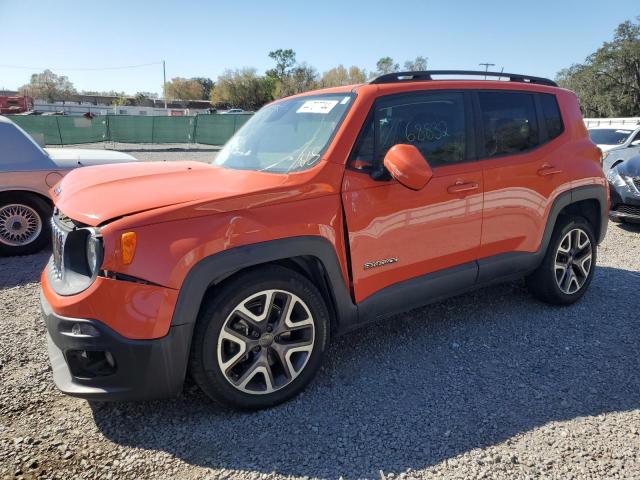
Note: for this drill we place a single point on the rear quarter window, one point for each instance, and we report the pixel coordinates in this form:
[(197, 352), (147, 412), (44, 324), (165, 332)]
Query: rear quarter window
[(551, 115)]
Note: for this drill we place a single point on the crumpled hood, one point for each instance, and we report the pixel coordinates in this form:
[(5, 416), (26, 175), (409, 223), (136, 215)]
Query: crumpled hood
[(66, 158), (94, 195), (631, 168)]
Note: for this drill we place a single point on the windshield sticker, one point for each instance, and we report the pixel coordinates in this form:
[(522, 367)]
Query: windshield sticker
[(623, 131), (345, 100), (317, 106)]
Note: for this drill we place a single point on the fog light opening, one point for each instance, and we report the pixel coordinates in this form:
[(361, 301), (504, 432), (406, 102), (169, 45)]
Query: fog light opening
[(90, 364), (110, 360), (84, 330)]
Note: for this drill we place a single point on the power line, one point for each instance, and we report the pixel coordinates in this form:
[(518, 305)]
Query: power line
[(486, 67), (95, 69)]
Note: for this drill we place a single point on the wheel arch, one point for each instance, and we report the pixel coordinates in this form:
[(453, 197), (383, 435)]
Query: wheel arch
[(587, 208), (616, 163), (588, 201), (313, 257), (33, 193)]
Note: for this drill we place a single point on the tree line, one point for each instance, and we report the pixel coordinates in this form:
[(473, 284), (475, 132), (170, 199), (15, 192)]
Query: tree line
[(607, 82), (242, 88)]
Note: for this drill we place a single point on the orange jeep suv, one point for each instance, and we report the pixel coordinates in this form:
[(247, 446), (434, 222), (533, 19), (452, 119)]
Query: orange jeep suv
[(326, 211)]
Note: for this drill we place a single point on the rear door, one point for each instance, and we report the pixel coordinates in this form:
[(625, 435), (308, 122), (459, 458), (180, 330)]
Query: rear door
[(397, 234), (519, 135)]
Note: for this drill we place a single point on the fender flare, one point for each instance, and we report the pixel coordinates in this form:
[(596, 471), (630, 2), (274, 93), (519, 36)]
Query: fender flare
[(575, 195), (215, 268)]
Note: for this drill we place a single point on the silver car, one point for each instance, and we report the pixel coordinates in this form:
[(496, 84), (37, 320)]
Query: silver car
[(617, 142), (27, 172)]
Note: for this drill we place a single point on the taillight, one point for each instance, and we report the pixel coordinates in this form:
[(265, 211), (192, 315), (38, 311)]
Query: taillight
[(603, 157)]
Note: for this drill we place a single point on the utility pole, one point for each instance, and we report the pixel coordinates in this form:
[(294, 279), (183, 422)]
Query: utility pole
[(486, 67), (164, 84)]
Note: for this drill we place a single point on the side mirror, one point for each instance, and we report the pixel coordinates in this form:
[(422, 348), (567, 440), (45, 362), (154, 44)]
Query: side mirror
[(635, 143), (407, 165)]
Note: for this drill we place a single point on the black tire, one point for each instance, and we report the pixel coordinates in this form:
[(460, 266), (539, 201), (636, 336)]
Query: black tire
[(543, 283), (217, 310), (35, 204)]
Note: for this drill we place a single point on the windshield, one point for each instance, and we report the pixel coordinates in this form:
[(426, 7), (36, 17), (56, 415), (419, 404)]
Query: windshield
[(609, 136), (286, 136)]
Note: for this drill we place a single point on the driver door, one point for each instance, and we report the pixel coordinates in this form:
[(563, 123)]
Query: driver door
[(409, 246)]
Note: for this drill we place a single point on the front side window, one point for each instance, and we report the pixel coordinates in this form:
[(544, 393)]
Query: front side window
[(509, 122), (287, 136), (433, 122)]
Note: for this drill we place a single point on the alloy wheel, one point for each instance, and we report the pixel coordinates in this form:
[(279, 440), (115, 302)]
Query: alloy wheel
[(266, 341), (19, 225), (573, 261)]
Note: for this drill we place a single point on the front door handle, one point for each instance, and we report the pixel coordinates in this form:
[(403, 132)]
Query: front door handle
[(547, 169), (461, 187)]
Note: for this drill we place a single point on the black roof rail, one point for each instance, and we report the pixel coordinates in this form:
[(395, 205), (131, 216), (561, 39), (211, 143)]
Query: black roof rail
[(427, 75)]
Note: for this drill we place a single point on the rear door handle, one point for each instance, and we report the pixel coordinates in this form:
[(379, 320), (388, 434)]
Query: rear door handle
[(460, 187), (547, 169)]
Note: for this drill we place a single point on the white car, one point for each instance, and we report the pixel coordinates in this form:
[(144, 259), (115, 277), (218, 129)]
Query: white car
[(617, 142), (233, 111), (27, 172)]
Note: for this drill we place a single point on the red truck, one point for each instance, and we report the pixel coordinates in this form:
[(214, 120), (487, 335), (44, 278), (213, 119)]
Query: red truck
[(15, 104)]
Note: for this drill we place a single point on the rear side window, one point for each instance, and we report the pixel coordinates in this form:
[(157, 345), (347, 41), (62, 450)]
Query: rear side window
[(551, 115), (509, 122), (433, 122), (19, 152)]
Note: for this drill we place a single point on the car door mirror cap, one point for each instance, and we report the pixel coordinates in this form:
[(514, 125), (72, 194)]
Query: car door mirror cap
[(406, 164), (635, 143)]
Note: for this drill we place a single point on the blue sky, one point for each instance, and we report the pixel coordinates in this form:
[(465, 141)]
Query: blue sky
[(203, 38)]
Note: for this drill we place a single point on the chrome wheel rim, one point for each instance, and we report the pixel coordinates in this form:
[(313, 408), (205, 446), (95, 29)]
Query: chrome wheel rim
[(19, 225), (573, 261), (266, 342)]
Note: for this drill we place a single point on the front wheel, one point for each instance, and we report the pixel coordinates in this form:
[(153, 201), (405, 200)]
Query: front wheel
[(24, 224), (259, 340), (568, 266)]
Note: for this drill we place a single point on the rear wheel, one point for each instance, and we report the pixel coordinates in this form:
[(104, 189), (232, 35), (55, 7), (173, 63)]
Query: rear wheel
[(260, 339), (24, 224), (568, 266)]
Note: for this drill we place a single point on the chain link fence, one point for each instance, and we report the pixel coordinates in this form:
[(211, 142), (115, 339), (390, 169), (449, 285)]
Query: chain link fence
[(213, 129)]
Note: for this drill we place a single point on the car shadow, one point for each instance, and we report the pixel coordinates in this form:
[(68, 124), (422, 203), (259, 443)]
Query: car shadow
[(418, 389), (15, 271)]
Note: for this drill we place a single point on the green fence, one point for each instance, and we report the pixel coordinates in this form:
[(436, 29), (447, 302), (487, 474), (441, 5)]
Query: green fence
[(66, 130), (217, 129)]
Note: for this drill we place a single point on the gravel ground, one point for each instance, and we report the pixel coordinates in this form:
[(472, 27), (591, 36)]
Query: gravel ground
[(488, 385)]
